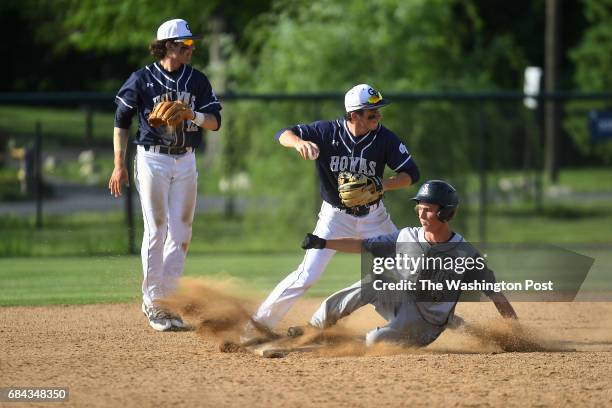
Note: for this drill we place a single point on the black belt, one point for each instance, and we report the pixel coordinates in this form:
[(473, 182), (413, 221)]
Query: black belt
[(168, 149), (360, 211)]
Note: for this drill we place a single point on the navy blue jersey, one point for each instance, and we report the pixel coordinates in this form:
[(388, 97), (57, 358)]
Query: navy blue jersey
[(340, 151), (152, 84)]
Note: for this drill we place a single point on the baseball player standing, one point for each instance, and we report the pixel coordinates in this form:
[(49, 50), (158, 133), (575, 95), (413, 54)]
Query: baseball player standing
[(174, 102), (415, 318), (356, 143)]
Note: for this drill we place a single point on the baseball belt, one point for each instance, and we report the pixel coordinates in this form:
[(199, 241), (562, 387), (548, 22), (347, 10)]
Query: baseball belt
[(168, 149), (360, 211)]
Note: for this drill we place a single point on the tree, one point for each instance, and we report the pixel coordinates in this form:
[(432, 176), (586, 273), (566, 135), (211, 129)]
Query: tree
[(395, 45), (593, 59)]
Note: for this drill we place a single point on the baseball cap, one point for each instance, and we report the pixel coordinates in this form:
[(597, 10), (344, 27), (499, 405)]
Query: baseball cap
[(176, 29), (363, 96)]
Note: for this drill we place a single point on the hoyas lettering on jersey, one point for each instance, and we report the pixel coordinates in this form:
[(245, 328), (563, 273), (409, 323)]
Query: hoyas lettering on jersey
[(352, 164)]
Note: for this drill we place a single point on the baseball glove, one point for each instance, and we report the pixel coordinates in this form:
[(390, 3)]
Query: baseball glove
[(359, 189), (169, 113)]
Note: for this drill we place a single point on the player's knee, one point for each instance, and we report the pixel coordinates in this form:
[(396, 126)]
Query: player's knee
[(156, 236), (187, 220), (374, 336), (320, 318)]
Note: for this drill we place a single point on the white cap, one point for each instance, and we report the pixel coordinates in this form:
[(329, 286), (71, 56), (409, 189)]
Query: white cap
[(176, 29), (363, 96)]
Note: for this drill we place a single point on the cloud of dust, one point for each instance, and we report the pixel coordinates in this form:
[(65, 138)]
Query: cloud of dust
[(218, 308), (214, 307), (505, 335), (341, 341)]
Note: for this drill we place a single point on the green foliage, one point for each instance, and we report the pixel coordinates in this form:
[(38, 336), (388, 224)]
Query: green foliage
[(116, 25), (593, 57), (593, 60), (399, 45), (395, 45), (10, 187)]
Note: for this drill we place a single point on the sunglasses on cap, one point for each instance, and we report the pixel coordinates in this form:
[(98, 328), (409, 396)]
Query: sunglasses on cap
[(375, 98), (187, 42)]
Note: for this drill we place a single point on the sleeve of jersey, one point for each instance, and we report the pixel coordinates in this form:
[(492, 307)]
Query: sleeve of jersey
[(209, 103), (127, 102), (400, 160), (305, 132), (382, 246)]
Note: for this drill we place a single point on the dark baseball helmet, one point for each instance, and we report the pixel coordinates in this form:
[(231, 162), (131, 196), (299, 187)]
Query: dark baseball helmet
[(441, 193)]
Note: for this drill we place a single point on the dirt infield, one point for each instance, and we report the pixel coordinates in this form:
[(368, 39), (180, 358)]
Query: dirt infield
[(108, 356)]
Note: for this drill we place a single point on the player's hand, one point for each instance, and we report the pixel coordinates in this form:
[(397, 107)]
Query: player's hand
[(118, 179), (308, 150), (312, 241)]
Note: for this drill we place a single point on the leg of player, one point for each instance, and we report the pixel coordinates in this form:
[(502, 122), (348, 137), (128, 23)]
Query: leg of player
[(406, 326), (181, 209), (290, 289), (153, 185), (331, 224), (339, 305)]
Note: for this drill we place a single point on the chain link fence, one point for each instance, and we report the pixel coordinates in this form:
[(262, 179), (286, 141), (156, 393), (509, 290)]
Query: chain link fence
[(56, 157)]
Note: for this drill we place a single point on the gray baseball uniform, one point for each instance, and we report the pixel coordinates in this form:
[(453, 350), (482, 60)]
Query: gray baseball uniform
[(413, 319)]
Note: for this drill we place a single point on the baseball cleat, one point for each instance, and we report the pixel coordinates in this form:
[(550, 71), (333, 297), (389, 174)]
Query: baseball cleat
[(177, 323), (256, 333), (295, 331), (158, 318)]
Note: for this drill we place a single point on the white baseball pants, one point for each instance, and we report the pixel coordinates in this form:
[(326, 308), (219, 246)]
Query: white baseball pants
[(333, 223), (167, 185)]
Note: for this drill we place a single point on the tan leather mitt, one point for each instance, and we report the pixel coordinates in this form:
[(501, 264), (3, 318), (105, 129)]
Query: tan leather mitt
[(169, 113), (359, 189)]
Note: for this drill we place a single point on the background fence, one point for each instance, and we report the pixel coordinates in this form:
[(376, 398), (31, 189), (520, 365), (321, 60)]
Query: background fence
[(257, 196)]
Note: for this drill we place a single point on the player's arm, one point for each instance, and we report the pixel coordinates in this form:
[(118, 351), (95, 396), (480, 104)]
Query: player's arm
[(119, 177), (307, 149), (312, 241), (400, 180), (208, 121), (503, 305), (127, 102), (351, 245), (208, 115), (400, 160), (500, 301)]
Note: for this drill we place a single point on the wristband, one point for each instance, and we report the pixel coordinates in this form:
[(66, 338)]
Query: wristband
[(199, 118)]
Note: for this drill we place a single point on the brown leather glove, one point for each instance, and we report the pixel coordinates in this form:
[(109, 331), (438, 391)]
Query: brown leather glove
[(169, 113)]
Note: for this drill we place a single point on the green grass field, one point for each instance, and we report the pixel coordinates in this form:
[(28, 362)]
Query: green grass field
[(81, 280)]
